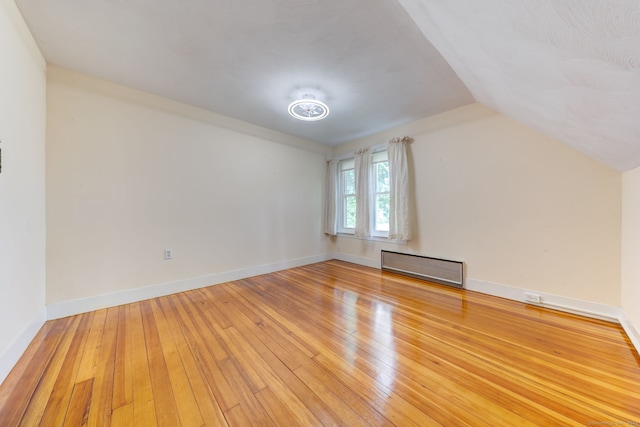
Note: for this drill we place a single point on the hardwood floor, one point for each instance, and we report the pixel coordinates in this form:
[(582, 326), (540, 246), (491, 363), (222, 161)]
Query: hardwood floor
[(326, 344)]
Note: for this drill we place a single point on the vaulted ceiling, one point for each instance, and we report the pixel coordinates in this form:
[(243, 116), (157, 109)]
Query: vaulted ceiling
[(567, 68)]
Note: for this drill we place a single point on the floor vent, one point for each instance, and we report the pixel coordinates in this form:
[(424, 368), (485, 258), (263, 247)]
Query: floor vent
[(436, 270)]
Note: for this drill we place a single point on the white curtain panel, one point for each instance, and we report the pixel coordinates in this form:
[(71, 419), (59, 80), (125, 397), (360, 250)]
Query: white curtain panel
[(362, 171), (399, 227), (330, 223)]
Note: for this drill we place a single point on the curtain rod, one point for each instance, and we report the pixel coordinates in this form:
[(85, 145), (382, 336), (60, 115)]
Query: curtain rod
[(374, 149)]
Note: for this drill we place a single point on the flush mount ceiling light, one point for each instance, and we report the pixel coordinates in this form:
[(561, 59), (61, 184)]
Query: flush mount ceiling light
[(308, 109)]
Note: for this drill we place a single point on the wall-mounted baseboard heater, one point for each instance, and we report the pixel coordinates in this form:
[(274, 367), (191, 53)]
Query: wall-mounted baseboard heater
[(443, 271)]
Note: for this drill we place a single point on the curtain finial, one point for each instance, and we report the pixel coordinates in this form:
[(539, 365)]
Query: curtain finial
[(402, 139)]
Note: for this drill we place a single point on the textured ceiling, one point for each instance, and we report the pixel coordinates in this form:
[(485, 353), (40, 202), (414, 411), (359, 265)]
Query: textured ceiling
[(567, 68), (249, 59)]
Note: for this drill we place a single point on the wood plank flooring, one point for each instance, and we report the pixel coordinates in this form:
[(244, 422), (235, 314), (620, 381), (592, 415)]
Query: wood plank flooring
[(326, 344)]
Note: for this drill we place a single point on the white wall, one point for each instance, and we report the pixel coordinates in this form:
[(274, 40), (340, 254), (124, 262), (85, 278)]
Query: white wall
[(130, 174), (520, 209), (22, 187), (631, 253)]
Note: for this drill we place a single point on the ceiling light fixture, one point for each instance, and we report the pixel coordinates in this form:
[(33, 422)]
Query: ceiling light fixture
[(308, 109)]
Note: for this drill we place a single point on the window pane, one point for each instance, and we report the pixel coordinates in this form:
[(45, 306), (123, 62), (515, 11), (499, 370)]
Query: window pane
[(350, 212), (382, 212), (347, 164), (349, 182), (382, 177), (380, 156)]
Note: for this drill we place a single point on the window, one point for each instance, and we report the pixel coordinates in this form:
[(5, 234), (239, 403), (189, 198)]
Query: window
[(347, 197), (350, 199), (376, 180), (379, 195)]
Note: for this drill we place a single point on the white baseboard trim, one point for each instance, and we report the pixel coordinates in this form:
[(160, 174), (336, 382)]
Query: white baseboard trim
[(367, 262), (83, 305), (556, 302), (68, 308), (11, 356), (632, 331)]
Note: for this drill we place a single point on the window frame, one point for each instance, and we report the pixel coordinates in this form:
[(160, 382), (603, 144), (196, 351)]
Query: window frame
[(379, 157), (347, 164), (344, 166)]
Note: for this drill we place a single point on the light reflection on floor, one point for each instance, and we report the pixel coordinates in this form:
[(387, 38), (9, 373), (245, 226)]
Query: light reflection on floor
[(350, 322), (385, 355), (383, 350)]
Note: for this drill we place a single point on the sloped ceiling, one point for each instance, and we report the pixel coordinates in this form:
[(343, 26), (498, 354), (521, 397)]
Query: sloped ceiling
[(567, 68)]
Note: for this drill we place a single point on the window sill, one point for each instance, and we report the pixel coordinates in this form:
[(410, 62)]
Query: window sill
[(373, 239)]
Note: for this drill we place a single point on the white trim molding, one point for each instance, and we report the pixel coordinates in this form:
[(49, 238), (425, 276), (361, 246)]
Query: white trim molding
[(11, 356), (632, 332), (68, 308), (97, 302), (570, 305)]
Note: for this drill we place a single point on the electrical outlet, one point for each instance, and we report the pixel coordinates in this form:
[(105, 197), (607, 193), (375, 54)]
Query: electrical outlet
[(168, 253), (532, 298)]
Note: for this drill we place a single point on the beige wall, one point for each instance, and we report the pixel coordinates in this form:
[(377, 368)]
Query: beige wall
[(22, 187), (631, 246), (130, 174), (520, 209)]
